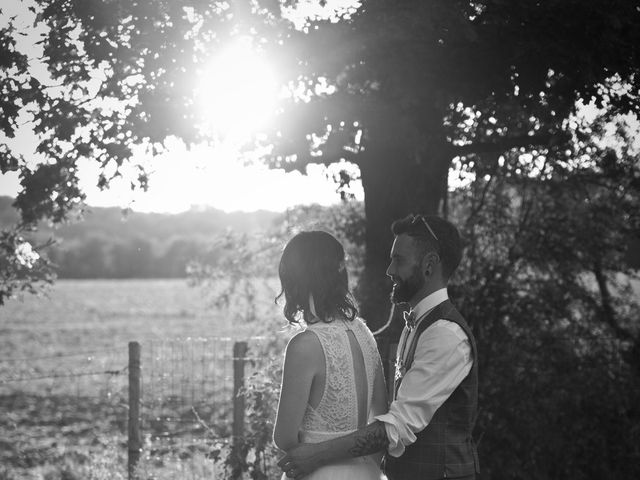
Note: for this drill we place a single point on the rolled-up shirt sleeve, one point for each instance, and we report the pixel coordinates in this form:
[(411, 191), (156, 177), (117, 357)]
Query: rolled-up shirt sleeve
[(442, 360)]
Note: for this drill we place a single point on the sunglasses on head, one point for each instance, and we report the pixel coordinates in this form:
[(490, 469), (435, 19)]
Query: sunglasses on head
[(420, 218)]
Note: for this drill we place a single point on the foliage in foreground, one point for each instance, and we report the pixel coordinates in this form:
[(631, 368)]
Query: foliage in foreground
[(545, 286)]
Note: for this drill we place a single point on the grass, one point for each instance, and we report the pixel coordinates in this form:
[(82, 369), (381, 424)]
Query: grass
[(109, 313), (71, 423)]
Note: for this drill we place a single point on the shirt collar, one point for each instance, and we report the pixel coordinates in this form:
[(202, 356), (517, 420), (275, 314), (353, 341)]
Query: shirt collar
[(429, 302)]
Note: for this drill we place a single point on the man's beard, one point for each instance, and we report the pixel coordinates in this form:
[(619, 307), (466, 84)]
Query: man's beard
[(404, 290)]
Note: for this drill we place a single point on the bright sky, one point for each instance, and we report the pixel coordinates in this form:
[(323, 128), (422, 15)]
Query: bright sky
[(240, 90), (205, 176)]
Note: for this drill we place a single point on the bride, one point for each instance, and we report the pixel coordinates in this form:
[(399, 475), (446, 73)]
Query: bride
[(332, 380)]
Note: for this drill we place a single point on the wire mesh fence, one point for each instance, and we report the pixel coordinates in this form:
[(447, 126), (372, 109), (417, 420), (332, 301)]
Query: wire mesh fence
[(186, 400), (192, 405), (190, 409)]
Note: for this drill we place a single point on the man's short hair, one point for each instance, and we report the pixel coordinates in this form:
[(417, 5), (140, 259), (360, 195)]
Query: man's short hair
[(435, 232)]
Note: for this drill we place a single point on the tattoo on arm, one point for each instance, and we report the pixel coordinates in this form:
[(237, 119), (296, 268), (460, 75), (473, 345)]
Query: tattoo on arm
[(371, 439)]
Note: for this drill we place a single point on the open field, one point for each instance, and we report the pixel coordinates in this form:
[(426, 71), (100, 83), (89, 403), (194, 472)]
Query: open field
[(63, 379), (91, 314)]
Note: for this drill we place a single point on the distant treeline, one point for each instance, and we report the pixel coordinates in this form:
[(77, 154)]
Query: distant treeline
[(108, 243), (102, 257)]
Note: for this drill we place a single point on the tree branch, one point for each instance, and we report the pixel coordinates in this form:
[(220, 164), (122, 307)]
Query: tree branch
[(606, 303), (507, 143)]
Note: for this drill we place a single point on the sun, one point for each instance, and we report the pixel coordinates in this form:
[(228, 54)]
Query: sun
[(237, 91)]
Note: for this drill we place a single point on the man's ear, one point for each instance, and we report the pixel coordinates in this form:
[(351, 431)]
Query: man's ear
[(429, 262)]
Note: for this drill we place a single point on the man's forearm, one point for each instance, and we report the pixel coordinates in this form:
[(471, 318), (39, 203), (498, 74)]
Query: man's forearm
[(307, 457), (365, 441)]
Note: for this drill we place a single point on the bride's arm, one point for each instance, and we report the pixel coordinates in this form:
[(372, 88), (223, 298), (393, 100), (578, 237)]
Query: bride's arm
[(303, 357), (379, 402)]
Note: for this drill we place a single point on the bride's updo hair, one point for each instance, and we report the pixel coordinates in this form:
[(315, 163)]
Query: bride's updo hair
[(313, 265)]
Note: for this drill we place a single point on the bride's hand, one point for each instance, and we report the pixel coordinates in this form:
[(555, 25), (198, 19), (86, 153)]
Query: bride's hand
[(301, 460)]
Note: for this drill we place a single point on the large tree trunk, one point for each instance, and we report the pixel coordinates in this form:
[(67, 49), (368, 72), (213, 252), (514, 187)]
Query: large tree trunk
[(396, 182), (384, 173)]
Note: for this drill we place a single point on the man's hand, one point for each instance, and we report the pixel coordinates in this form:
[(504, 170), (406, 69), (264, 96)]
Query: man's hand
[(305, 458), (301, 460)]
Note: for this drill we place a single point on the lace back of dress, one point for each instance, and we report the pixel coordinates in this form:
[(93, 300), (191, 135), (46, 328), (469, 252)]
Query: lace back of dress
[(338, 410)]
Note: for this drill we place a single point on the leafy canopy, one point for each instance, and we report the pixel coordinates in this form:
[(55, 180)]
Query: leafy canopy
[(438, 80)]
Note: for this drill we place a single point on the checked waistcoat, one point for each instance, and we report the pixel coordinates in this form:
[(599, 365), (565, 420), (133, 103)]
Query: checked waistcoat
[(445, 448)]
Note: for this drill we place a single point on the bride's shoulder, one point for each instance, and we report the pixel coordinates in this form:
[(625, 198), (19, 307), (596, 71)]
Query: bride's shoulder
[(362, 324), (304, 344)]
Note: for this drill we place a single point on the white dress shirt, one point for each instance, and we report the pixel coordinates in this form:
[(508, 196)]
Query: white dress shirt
[(442, 360)]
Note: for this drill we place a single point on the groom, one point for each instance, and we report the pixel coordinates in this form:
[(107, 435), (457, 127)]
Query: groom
[(427, 430)]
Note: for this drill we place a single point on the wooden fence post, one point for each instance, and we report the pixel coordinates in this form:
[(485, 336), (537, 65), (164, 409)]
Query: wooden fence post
[(135, 442), (239, 358)]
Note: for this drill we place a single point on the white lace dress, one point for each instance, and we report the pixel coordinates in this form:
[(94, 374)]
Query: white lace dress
[(337, 413)]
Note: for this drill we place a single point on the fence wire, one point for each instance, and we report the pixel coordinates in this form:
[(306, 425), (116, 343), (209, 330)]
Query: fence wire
[(52, 404), (91, 373), (187, 402)]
